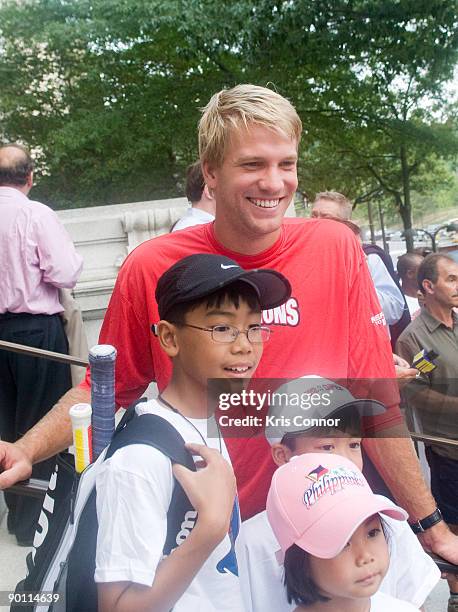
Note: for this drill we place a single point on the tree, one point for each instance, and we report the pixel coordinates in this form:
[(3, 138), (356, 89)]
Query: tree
[(106, 94), (108, 91), (373, 94)]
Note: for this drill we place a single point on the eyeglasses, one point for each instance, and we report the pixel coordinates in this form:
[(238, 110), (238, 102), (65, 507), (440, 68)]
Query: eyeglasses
[(257, 334)]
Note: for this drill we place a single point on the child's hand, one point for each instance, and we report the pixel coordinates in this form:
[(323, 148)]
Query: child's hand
[(211, 490)]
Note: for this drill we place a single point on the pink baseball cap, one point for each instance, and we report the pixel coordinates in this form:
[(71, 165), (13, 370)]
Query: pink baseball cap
[(318, 501)]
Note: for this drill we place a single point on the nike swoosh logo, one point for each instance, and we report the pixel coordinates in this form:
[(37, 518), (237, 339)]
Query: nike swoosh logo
[(227, 267)]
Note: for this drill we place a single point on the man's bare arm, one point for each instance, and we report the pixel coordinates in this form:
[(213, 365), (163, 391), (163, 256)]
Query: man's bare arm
[(49, 436), (398, 465)]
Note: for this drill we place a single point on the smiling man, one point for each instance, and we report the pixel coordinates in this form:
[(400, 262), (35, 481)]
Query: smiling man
[(253, 183), (331, 325)]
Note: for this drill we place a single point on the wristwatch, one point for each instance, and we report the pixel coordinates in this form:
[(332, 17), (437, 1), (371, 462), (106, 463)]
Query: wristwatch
[(424, 524)]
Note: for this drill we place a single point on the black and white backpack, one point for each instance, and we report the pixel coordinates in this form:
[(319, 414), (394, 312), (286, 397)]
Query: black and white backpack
[(63, 559)]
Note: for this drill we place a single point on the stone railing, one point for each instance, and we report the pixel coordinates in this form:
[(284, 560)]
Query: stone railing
[(104, 236)]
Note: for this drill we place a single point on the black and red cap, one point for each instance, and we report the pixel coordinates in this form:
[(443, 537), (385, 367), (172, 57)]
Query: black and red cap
[(202, 274)]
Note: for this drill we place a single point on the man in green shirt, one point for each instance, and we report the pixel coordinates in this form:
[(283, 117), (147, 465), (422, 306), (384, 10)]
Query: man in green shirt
[(433, 396)]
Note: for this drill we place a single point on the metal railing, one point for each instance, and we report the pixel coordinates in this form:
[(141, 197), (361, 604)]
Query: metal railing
[(37, 488), (36, 352)]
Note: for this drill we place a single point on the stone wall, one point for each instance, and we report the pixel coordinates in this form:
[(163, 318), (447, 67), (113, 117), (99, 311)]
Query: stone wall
[(104, 235)]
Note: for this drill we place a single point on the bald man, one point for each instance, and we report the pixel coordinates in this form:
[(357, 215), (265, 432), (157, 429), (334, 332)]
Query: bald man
[(38, 258)]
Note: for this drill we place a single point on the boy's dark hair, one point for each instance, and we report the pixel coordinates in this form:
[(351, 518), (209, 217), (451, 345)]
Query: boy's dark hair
[(234, 293), (349, 423), (300, 586), (195, 182)]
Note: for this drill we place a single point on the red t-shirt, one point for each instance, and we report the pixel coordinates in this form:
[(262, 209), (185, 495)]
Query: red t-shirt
[(331, 326)]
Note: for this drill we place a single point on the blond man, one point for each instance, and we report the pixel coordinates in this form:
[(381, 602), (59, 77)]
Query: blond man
[(248, 140)]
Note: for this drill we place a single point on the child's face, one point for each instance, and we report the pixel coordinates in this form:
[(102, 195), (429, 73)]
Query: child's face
[(200, 358), (359, 569), (343, 445)]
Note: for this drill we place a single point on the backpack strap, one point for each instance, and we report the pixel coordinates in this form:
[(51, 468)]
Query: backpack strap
[(397, 328), (173, 226), (129, 414), (152, 430), (374, 249)]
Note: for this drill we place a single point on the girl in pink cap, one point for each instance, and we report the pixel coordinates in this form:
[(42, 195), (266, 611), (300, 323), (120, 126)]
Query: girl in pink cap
[(329, 525)]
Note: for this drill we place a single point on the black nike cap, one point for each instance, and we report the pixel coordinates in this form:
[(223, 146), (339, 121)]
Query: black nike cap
[(199, 275)]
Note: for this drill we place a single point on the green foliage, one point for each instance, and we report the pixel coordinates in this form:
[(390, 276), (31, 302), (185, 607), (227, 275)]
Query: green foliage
[(368, 79), (107, 92)]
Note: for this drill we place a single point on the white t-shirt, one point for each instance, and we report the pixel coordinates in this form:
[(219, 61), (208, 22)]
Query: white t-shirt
[(134, 490), (193, 216), (381, 602), (412, 303), (411, 575)]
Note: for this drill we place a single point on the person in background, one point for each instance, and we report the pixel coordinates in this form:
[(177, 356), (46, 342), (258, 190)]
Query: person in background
[(331, 204), (423, 251), (203, 205), (433, 396), (38, 259), (337, 207), (407, 267)]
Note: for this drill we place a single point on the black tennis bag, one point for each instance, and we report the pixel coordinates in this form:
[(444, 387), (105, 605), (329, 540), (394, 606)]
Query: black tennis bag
[(61, 567)]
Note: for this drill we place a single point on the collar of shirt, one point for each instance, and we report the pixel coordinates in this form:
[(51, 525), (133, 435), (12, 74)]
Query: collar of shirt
[(11, 192), (432, 323)]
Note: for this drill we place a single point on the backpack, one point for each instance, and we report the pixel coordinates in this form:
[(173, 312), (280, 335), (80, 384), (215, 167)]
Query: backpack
[(397, 328), (63, 559)]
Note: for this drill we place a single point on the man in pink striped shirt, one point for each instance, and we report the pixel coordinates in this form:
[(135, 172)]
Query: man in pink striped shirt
[(37, 258)]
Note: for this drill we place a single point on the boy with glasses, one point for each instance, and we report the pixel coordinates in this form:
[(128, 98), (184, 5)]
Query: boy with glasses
[(210, 326)]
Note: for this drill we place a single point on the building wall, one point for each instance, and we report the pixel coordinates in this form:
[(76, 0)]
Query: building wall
[(104, 235)]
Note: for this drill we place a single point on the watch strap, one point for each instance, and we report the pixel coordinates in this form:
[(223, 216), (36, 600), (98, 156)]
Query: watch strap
[(427, 522)]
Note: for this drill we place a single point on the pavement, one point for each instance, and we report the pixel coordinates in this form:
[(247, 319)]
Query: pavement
[(12, 556)]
